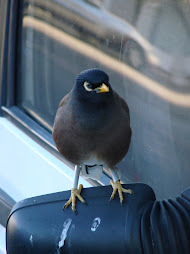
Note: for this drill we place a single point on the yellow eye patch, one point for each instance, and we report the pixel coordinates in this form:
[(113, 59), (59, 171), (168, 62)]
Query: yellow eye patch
[(87, 86)]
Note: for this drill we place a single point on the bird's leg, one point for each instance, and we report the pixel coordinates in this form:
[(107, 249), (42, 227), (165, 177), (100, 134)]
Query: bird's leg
[(74, 191), (116, 185)]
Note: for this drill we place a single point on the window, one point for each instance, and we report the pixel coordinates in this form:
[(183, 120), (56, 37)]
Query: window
[(59, 39)]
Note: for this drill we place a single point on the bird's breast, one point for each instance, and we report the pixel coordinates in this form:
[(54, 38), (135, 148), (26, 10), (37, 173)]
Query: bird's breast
[(93, 118)]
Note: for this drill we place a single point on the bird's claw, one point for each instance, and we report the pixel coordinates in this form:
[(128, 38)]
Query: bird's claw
[(74, 193), (117, 186)]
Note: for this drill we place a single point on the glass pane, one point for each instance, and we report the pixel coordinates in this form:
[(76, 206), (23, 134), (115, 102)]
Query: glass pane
[(144, 47)]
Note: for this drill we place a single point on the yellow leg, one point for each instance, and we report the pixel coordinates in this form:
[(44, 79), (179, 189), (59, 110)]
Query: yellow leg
[(118, 187), (74, 193)]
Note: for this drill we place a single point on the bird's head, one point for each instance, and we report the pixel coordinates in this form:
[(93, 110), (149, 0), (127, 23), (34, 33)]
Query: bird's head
[(93, 85)]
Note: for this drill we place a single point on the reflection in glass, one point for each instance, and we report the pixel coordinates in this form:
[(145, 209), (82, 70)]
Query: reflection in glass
[(144, 47)]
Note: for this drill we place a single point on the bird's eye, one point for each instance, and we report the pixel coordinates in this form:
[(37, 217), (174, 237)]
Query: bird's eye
[(88, 86)]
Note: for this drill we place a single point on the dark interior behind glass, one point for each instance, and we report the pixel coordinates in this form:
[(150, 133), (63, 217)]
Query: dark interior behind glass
[(144, 47)]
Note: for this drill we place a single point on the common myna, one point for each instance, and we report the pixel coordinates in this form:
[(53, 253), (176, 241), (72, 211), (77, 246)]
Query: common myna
[(92, 129)]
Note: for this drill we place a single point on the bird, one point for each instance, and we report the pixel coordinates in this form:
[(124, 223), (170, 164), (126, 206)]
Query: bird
[(92, 129)]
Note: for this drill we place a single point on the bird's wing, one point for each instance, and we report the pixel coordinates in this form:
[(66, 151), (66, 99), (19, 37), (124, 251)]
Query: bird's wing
[(123, 103), (65, 99)]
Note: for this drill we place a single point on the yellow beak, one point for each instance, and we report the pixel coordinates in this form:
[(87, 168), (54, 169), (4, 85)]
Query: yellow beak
[(102, 89)]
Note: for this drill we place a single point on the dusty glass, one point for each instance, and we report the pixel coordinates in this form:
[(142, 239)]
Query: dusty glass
[(144, 47)]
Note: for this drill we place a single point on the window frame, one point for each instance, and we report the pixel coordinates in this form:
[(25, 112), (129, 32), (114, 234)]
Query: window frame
[(6, 202)]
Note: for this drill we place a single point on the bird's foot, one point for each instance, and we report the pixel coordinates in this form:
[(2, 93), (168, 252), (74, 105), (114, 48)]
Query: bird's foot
[(117, 186), (74, 193)]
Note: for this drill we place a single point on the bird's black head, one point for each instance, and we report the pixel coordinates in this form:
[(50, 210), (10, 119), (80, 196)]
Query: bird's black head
[(92, 85), (92, 99)]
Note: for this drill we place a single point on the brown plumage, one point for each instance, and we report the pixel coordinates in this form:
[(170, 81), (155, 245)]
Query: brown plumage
[(108, 141)]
